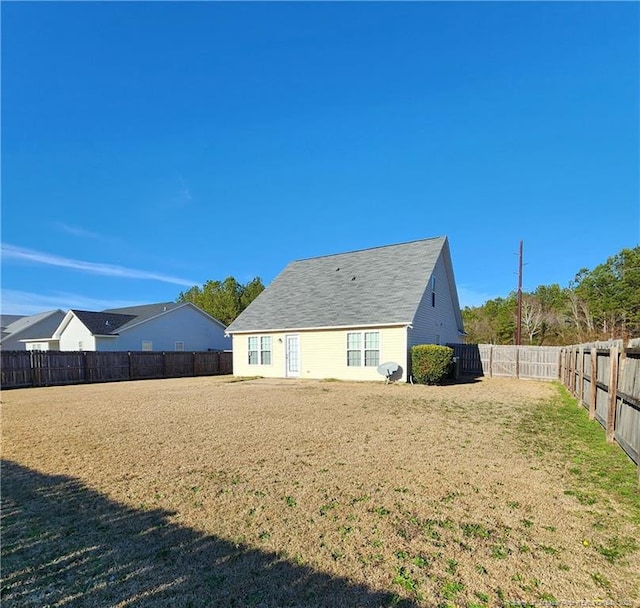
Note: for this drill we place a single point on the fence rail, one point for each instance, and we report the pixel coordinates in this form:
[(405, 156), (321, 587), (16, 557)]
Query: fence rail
[(21, 368), (605, 378), (527, 362)]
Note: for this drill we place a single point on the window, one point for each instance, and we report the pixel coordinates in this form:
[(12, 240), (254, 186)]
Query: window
[(433, 299), (265, 350), (433, 291), (80, 345), (147, 345), (179, 346), (354, 347), (259, 350), (363, 346)]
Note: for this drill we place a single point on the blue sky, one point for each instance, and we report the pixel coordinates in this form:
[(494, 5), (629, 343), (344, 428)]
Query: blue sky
[(151, 146)]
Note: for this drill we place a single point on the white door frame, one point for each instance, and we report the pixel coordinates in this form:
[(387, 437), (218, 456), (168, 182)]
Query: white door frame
[(292, 371)]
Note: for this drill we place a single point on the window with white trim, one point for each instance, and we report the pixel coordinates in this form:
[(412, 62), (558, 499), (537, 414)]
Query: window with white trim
[(259, 350), (363, 347), (147, 345), (179, 346)]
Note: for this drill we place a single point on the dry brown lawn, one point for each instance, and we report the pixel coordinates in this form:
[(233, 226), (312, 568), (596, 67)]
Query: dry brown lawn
[(217, 492)]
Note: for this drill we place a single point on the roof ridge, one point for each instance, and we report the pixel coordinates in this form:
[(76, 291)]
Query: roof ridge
[(332, 255)]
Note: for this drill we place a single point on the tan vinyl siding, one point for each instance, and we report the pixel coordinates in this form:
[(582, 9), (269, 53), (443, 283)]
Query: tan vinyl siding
[(323, 354)]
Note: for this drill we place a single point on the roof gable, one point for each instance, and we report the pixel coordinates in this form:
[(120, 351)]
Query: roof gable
[(379, 286)]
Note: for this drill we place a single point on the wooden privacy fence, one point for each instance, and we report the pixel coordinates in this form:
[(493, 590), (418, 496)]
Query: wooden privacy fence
[(605, 377), (21, 368), (528, 362)]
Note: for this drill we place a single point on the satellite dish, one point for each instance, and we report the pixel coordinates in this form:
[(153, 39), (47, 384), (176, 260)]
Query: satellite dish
[(389, 370)]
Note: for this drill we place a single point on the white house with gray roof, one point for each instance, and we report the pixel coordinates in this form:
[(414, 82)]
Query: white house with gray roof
[(340, 316), (167, 326)]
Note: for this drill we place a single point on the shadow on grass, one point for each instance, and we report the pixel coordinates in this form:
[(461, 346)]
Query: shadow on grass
[(64, 544)]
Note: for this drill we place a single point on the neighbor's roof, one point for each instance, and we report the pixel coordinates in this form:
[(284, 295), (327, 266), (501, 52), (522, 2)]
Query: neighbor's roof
[(102, 323), (6, 320), (142, 313), (114, 320), (30, 326), (379, 286)]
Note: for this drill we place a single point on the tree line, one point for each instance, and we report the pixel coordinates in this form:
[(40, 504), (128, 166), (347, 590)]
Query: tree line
[(223, 300), (598, 304)]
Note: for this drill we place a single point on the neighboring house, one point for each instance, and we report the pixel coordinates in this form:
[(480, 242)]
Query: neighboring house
[(16, 328), (168, 326), (340, 316)]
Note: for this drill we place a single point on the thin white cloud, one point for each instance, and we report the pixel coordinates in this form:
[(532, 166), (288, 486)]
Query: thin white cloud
[(27, 303), (79, 232), (11, 252)]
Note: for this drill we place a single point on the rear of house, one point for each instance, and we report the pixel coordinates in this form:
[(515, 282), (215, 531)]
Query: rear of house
[(341, 316)]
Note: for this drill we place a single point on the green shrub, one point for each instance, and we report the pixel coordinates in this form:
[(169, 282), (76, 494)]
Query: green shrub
[(430, 363)]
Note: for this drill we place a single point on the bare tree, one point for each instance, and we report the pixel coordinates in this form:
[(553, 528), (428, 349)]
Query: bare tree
[(532, 316)]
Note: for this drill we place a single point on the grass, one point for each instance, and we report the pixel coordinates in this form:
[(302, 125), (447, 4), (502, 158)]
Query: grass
[(197, 492), (598, 470)]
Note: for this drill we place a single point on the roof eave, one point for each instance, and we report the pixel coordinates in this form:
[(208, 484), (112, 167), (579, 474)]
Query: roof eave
[(323, 328)]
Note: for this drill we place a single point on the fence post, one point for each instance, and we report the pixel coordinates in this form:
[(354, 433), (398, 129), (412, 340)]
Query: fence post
[(570, 372), (581, 376), (613, 392), (560, 364), (490, 360), (593, 389)]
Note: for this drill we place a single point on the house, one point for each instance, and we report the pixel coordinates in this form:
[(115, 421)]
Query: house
[(16, 328), (167, 326), (340, 316)]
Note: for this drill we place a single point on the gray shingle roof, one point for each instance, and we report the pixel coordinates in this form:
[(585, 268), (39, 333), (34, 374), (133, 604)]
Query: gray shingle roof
[(6, 320), (102, 323), (378, 286), (31, 326), (113, 321), (143, 312)]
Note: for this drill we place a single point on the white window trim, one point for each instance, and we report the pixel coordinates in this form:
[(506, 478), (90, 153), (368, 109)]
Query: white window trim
[(362, 349), (260, 351), (148, 344), (175, 346)]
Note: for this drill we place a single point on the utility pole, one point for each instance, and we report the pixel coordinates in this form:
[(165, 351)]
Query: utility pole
[(519, 315)]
